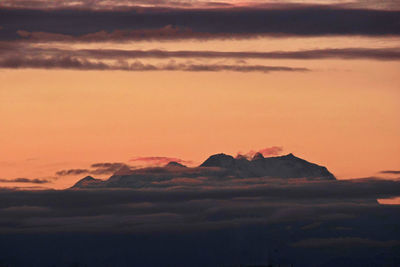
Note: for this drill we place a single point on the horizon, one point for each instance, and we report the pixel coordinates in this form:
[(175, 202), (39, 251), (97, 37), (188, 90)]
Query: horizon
[(63, 178)]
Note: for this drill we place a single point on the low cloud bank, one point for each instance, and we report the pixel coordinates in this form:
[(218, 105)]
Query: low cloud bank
[(188, 203)]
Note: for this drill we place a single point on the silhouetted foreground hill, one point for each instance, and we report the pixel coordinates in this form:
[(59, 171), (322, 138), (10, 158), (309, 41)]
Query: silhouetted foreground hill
[(216, 166)]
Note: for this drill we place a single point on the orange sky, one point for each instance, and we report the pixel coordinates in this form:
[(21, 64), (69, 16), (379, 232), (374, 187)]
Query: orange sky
[(343, 114)]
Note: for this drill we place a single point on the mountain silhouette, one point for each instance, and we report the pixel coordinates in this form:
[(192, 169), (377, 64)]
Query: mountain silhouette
[(216, 166), (88, 181), (174, 164), (288, 166)]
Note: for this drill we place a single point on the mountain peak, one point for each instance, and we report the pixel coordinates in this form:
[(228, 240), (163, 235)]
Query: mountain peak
[(87, 182), (219, 160), (88, 178), (240, 157), (258, 156), (174, 164)]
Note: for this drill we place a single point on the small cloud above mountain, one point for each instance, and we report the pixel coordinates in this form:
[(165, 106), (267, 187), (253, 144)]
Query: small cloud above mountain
[(268, 151)]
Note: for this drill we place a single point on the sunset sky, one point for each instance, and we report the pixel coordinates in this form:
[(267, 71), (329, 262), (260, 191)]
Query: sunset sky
[(187, 79), (199, 133)]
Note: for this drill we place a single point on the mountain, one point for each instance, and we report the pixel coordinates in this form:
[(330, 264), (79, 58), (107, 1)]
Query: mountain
[(288, 166), (88, 181), (218, 167), (174, 164)]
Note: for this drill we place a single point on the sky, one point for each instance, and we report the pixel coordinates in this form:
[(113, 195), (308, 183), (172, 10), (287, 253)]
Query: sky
[(87, 84)]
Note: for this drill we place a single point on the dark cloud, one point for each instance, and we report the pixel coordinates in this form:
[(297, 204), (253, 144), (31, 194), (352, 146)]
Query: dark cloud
[(25, 180), (148, 24), (109, 168), (194, 206), (390, 172), (63, 62), (248, 214), (164, 33), (21, 54), (98, 169), (340, 53), (168, 4), (66, 62), (72, 172)]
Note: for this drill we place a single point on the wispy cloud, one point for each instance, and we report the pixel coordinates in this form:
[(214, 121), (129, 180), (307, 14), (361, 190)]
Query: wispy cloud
[(339, 53), (72, 172), (24, 49), (390, 172), (96, 169), (109, 168), (268, 151), (67, 62), (25, 180)]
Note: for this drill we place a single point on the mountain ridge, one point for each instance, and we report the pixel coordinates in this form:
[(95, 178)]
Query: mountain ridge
[(216, 166)]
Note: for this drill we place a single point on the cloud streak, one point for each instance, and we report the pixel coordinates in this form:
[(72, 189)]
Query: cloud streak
[(25, 180), (72, 172), (169, 4), (97, 169), (10, 50), (339, 53), (390, 172), (74, 63)]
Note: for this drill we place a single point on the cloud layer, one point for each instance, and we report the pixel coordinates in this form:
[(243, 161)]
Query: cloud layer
[(156, 24), (189, 202), (205, 4), (195, 209)]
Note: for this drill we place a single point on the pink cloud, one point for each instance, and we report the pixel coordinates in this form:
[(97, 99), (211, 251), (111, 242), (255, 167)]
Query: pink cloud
[(266, 152)]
